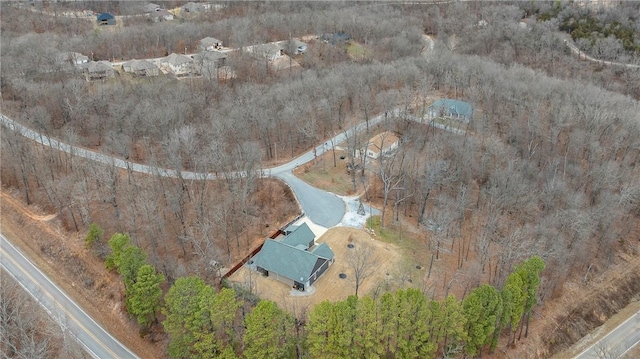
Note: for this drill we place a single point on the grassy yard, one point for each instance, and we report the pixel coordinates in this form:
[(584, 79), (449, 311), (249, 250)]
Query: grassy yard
[(357, 51), (410, 243), (321, 173)]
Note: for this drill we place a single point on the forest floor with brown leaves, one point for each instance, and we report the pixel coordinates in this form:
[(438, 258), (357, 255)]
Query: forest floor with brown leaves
[(61, 256)]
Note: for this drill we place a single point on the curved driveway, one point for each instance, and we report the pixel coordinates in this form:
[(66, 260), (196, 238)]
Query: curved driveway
[(96, 340), (323, 208)]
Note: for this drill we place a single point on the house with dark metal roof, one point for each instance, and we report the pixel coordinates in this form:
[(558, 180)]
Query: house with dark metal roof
[(105, 19), (292, 261)]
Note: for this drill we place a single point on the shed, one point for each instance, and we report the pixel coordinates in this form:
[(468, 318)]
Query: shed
[(106, 19), (453, 109)]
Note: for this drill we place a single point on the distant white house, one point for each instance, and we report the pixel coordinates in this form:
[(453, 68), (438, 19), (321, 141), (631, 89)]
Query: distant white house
[(150, 7), (382, 144), (74, 58), (293, 47), (271, 51), (192, 7), (179, 65), (161, 15), (210, 44)]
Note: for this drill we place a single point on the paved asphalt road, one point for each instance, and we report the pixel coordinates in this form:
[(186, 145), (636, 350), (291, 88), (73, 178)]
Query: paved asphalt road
[(617, 342), (583, 55), (96, 340), (323, 208)]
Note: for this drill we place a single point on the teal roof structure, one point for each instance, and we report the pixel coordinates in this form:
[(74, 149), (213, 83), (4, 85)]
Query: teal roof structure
[(323, 251), (287, 261), (301, 235), (454, 107)]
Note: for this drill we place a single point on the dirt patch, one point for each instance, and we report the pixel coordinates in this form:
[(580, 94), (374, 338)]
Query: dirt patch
[(61, 255), (390, 273)]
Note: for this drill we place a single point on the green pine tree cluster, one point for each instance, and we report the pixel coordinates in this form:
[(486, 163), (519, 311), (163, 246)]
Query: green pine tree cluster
[(204, 323), (141, 282), (406, 324)]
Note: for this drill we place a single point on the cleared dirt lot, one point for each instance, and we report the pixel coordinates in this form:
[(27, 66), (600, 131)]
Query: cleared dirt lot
[(390, 272)]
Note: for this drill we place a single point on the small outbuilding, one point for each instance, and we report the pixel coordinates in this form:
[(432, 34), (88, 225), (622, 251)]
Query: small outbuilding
[(106, 19), (452, 109)]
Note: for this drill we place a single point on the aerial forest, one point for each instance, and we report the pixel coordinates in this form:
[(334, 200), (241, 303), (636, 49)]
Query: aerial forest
[(539, 190)]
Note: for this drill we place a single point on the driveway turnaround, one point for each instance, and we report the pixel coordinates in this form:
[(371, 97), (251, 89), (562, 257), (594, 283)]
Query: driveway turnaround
[(322, 208), (98, 343)]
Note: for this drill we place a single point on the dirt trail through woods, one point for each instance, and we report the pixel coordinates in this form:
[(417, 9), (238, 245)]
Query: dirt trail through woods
[(19, 205)]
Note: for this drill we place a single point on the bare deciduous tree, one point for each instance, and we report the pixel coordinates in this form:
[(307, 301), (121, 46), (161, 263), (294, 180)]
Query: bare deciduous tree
[(363, 262)]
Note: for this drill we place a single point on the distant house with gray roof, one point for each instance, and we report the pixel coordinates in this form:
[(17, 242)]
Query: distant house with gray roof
[(74, 58), (151, 7), (98, 70), (141, 68), (270, 51), (209, 44), (161, 15), (448, 108), (294, 260), (293, 47), (192, 7), (179, 65)]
